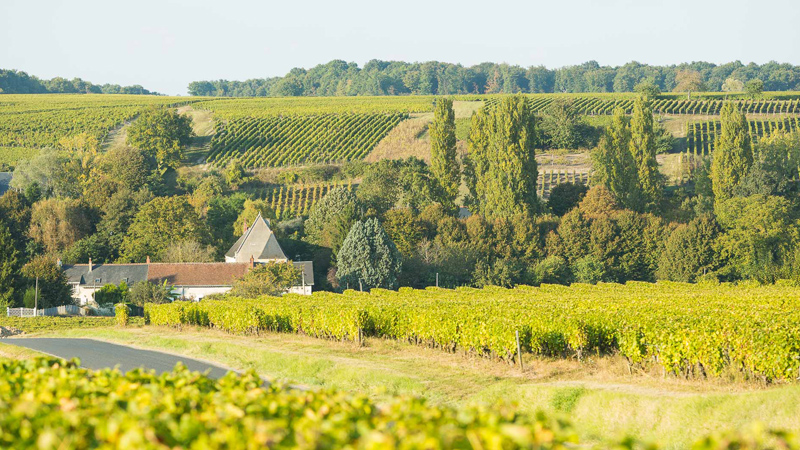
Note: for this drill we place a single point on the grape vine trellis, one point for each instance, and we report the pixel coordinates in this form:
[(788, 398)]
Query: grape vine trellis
[(689, 329), (291, 140)]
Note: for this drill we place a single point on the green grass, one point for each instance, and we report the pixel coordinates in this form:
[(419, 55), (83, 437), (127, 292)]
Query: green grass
[(599, 397)]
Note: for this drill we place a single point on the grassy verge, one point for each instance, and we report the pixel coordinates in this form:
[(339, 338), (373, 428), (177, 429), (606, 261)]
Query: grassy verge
[(8, 351), (600, 397)]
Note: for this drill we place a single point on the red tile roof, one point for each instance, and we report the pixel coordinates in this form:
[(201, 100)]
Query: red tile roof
[(197, 274)]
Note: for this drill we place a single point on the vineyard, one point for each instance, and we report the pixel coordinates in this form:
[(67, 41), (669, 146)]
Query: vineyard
[(52, 323), (230, 109), (689, 330), (31, 122), (291, 201), (700, 136), (603, 105), (290, 140), (548, 179), (53, 404)]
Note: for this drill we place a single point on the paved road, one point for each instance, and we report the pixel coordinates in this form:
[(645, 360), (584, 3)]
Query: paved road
[(101, 355)]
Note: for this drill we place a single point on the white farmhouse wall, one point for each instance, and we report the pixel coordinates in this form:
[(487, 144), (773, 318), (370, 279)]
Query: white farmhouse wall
[(198, 292)]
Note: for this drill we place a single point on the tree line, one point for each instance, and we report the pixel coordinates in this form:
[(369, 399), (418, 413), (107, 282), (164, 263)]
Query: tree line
[(340, 78), (18, 82)]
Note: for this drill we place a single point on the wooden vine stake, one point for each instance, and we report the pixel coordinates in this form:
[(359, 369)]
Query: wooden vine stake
[(519, 353)]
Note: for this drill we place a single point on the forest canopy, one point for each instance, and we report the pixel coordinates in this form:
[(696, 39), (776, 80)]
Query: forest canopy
[(340, 78)]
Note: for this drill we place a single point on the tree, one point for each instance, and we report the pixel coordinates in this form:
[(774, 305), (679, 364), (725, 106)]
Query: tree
[(162, 133), (503, 170), (689, 81), (733, 154), (565, 196), (690, 251), (331, 218), (561, 126), (9, 266), (397, 183), (267, 279), (647, 89), (368, 258), (614, 165), (235, 174), (251, 210), (732, 85), (404, 230), (130, 167), (144, 292), (112, 294), (57, 223), (188, 251), (759, 238), (53, 287), (444, 165), (643, 149), (754, 88), (158, 224), (776, 161)]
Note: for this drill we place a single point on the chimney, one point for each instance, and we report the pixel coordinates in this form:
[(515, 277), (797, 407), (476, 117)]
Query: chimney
[(148, 259), (90, 265), (244, 228), (252, 262)]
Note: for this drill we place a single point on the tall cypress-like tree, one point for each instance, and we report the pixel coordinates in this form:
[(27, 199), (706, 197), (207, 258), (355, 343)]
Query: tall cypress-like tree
[(733, 153), (9, 265), (614, 165), (643, 150), (444, 165), (503, 169)]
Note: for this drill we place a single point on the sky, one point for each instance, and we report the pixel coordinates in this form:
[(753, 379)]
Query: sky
[(165, 44)]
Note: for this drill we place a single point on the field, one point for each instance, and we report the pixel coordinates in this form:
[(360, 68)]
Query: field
[(280, 132), (293, 140), (735, 331), (31, 122)]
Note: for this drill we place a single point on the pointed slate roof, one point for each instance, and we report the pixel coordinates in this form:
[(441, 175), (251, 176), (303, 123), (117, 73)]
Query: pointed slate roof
[(258, 242)]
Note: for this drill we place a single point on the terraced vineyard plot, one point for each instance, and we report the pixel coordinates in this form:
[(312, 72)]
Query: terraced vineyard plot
[(548, 179), (289, 140), (701, 136), (293, 201)]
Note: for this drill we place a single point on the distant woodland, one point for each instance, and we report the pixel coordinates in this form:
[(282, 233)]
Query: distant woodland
[(340, 78), (18, 82)]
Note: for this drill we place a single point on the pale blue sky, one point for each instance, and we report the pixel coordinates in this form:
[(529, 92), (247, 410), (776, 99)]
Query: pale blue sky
[(165, 44)]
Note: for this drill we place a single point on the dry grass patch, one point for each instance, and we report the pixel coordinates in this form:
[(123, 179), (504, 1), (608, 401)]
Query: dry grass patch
[(409, 138)]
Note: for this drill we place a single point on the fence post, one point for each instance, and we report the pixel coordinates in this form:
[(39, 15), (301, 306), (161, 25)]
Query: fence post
[(519, 352)]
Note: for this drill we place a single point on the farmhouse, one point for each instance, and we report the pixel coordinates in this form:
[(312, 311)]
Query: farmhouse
[(258, 245)]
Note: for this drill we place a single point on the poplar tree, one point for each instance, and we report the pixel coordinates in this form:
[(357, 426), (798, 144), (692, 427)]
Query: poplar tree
[(503, 169), (614, 165), (444, 166), (733, 153), (643, 150)]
